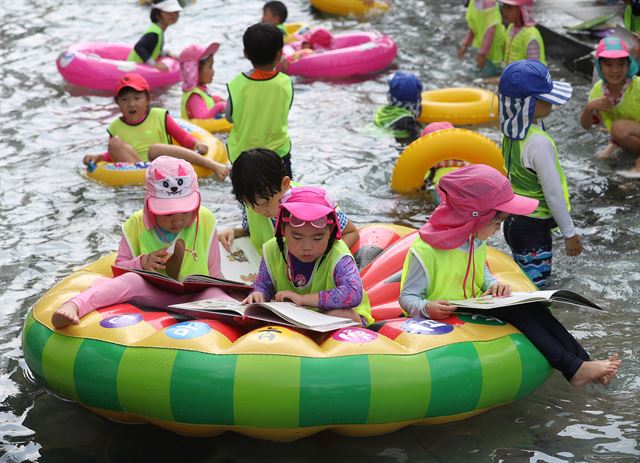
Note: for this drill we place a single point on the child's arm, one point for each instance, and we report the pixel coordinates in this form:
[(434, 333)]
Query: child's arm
[(263, 283), (492, 285), (487, 41), (180, 135), (226, 235), (589, 117), (144, 48), (197, 108), (350, 234), (213, 263), (153, 261), (465, 44)]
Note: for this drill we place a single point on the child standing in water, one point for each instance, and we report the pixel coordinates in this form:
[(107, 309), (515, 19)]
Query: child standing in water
[(615, 100), (522, 38), (307, 262), (196, 64), (404, 105), (149, 48), (486, 33), (447, 261), (526, 94), (171, 217), (143, 133), (275, 13)]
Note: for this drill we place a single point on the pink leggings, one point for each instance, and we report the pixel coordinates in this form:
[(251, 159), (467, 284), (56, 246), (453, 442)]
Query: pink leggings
[(131, 287)]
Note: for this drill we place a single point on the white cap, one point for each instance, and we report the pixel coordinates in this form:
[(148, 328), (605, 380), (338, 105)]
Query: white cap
[(169, 6)]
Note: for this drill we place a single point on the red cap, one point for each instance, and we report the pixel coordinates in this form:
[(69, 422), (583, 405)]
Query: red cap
[(133, 80)]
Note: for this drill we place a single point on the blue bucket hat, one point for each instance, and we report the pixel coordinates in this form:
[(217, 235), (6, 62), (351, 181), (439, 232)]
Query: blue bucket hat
[(405, 91), (522, 83)]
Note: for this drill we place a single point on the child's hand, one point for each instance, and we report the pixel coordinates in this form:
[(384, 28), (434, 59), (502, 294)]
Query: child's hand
[(201, 148), (461, 51), (161, 66), (255, 296), (284, 296), (226, 236), (155, 260), (481, 60), (573, 246), (600, 104), (437, 310), (498, 289)]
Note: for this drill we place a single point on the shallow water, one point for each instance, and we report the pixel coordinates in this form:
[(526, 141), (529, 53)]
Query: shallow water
[(54, 220)]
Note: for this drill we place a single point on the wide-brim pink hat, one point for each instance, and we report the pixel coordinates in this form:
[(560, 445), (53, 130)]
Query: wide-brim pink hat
[(198, 52), (171, 187), (470, 197), (307, 203)]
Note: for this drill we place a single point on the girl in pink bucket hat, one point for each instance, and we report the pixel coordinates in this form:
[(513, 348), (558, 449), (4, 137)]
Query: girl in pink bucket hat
[(615, 100), (196, 64), (447, 261), (522, 38), (172, 234), (307, 262)]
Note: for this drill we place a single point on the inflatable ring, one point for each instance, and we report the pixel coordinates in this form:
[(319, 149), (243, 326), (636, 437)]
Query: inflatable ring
[(204, 377), (467, 145), (295, 30), (460, 106), (99, 66), (213, 125), (347, 7), (130, 173)]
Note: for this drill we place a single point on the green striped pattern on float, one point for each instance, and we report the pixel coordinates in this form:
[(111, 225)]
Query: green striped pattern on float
[(282, 391)]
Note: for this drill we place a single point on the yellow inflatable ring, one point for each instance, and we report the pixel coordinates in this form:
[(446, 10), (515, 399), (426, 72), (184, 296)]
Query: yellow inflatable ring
[(213, 125), (295, 30), (347, 7), (130, 173), (425, 152), (460, 106)]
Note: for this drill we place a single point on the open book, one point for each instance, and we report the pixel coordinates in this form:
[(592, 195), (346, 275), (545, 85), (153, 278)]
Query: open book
[(191, 284), (561, 296), (242, 263), (281, 313)]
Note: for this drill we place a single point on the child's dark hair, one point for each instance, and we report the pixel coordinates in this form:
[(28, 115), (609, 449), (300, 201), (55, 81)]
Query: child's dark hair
[(154, 15), (126, 90), (257, 173), (262, 43), (278, 9)]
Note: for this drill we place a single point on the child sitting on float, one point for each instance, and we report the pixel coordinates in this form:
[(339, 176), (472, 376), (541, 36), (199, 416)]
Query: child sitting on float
[(615, 100), (196, 64), (307, 263), (404, 105), (318, 39), (172, 218), (447, 261), (143, 133)]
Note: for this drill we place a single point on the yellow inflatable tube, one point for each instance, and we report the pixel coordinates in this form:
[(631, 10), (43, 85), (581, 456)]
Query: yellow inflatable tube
[(129, 173), (460, 106), (213, 125), (295, 31), (467, 145), (347, 7)]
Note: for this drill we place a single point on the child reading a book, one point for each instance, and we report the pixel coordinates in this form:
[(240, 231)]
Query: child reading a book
[(307, 263), (447, 262), (172, 234)]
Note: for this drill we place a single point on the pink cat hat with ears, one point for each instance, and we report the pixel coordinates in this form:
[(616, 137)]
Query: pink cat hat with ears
[(171, 187)]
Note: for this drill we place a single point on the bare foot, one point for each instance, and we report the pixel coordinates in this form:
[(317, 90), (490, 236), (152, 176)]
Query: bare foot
[(606, 379), (222, 171), (67, 314), (595, 370), (92, 157), (607, 152)]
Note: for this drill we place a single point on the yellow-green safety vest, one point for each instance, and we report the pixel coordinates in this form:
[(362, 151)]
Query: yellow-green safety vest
[(627, 109), (321, 277), (144, 241), (198, 91), (260, 114), (525, 182), (631, 21), (152, 130), (516, 47), (481, 20), (446, 269), (152, 29)]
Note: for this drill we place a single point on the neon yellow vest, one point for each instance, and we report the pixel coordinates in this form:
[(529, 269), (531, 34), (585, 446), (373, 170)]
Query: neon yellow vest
[(481, 20), (525, 182), (446, 270), (152, 29), (260, 113), (152, 130), (516, 47), (283, 29), (631, 22), (142, 241), (321, 278), (198, 91), (627, 109)]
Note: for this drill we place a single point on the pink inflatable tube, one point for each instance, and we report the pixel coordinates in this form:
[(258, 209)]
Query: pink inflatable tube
[(99, 66), (349, 55)]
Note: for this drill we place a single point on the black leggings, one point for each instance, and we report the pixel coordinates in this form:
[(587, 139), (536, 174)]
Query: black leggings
[(538, 324)]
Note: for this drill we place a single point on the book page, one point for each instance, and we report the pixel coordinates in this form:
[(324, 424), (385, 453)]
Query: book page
[(493, 302), (301, 316), (242, 263)]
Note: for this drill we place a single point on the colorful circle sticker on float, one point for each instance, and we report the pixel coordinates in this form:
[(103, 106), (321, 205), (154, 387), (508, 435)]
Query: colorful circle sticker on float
[(187, 330), (355, 335), (429, 327), (479, 319), (121, 321)]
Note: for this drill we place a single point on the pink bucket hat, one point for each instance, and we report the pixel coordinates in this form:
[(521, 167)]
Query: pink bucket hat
[(320, 37), (308, 204), (171, 187), (470, 197), (189, 58), (435, 127)]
